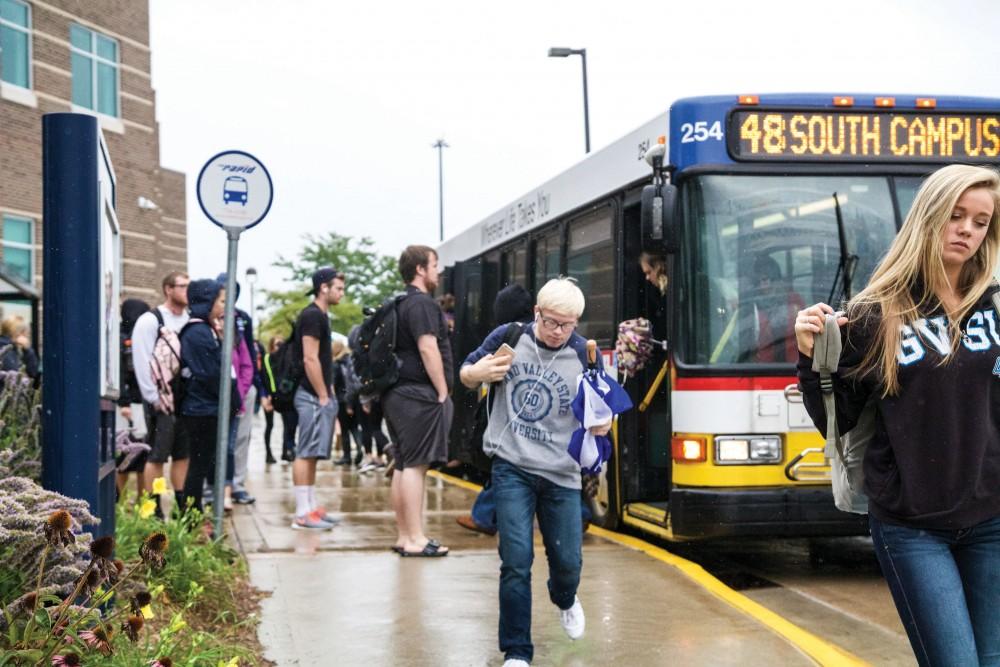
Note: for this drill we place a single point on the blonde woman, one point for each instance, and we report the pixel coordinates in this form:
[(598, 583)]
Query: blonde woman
[(922, 341), (654, 268)]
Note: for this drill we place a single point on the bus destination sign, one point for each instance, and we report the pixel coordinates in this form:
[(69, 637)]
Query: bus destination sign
[(867, 136)]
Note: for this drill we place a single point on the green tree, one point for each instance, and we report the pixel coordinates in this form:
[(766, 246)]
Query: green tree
[(371, 278)]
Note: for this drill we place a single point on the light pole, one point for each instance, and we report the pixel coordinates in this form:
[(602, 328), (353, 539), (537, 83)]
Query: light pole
[(251, 275), (440, 145), (562, 52)]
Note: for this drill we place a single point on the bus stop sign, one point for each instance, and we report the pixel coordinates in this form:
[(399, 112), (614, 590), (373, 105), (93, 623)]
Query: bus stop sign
[(235, 190)]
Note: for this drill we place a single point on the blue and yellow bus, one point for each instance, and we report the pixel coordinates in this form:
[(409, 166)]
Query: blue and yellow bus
[(768, 202)]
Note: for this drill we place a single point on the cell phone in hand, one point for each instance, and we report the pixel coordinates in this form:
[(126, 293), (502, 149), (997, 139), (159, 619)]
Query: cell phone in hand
[(504, 350)]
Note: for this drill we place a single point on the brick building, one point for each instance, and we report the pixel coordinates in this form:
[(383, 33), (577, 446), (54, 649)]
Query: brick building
[(88, 56)]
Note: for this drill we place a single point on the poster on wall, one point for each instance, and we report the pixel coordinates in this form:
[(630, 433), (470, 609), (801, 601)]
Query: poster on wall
[(110, 277)]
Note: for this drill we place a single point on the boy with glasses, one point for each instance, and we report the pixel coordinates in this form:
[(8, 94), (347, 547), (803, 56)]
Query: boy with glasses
[(528, 434)]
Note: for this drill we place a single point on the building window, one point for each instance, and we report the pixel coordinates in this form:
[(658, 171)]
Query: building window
[(94, 62), (15, 43), (18, 247)]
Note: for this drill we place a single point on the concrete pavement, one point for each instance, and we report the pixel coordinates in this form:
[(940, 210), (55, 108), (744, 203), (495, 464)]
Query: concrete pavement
[(342, 598)]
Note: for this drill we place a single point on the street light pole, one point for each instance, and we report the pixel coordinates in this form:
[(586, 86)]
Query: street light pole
[(440, 145), (563, 52), (251, 274)]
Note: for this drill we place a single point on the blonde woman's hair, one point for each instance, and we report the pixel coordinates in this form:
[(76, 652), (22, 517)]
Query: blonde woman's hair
[(659, 264), (561, 294), (13, 326), (907, 281), (339, 350)]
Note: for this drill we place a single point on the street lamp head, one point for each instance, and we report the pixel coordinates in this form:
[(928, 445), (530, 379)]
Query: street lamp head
[(251, 275), (560, 52)]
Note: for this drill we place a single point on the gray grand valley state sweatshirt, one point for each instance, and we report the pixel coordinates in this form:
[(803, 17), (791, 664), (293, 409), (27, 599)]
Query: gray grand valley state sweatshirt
[(531, 421)]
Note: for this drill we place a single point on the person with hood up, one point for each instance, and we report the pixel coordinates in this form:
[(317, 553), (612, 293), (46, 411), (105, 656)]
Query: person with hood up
[(201, 359)]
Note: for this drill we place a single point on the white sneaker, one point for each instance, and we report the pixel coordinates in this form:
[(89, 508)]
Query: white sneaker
[(573, 620), (515, 662)]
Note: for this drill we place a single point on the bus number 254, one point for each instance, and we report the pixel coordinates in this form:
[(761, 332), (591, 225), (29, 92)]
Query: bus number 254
[(700, 131)]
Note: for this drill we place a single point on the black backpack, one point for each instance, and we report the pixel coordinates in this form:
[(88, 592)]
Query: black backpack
[(480, 459), (374, 348), (286, 370)]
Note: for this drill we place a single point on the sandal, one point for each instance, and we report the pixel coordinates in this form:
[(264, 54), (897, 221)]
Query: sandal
[(431, 550)]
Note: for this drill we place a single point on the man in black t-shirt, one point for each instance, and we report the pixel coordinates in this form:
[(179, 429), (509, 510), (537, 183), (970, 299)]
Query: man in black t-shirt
[(315, 402), (418, 408)]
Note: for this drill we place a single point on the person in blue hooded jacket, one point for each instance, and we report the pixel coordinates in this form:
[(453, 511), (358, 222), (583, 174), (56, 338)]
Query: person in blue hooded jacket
[(201, 359)]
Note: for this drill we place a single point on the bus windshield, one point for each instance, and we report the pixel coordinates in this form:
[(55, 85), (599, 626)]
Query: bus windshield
[(759, 248)]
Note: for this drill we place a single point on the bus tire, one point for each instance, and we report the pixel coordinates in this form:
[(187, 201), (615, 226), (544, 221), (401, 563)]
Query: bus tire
[(604, 503)]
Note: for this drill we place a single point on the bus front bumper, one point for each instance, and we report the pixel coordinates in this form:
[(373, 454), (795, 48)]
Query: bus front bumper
[(802, 511)]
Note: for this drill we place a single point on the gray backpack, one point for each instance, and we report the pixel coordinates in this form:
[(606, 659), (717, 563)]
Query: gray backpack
[(846, 452)]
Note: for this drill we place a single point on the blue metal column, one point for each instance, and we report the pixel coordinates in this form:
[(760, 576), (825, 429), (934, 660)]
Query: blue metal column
[(75, 447)]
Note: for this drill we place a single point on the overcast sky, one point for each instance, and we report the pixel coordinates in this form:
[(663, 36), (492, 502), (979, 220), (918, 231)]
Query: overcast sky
[(342, 101)]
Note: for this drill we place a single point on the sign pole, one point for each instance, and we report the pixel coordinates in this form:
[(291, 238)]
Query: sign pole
[(225, 379), (235, 193)]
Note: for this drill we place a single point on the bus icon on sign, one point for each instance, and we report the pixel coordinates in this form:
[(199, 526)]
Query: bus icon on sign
[(235, 190)]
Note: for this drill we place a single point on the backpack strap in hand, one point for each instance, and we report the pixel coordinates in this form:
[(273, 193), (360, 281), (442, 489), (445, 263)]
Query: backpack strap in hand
[(826, 359)]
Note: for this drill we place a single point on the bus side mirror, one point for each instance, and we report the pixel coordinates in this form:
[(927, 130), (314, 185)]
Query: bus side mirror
[(658, 215)]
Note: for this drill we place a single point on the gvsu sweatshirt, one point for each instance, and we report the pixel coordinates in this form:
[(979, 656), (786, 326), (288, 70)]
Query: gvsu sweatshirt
[(934, 461)]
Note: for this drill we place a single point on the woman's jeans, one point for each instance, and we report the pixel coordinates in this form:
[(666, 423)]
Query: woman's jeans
[(519, 497), (289, 422), (946, 586), (201, 465)]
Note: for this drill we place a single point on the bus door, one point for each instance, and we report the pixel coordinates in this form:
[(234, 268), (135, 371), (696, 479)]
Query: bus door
[(644, 437), (466, 285)]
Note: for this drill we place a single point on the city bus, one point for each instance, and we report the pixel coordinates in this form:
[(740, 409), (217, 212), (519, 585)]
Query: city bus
[(762, 203)]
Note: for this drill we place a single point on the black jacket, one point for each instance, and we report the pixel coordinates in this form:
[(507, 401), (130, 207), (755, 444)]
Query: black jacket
[(934, 461)]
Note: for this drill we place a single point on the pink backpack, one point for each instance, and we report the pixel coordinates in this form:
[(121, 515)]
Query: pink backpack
[(165, 364)]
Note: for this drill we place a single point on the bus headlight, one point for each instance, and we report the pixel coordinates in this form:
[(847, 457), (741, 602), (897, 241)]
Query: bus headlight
[(765, 450), (737, 450)]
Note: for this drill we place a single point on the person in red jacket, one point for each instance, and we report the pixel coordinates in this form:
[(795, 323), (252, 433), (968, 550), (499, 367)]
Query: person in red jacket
[(922, 343), (775, 309)]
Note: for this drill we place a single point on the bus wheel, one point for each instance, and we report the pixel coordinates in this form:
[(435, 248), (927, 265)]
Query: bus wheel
[(602, 498)]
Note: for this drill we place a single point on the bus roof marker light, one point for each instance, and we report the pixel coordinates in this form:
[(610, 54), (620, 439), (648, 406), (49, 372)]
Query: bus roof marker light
[(662, 139), (885, 101), (751, 100), (843, 101), (926, 102)]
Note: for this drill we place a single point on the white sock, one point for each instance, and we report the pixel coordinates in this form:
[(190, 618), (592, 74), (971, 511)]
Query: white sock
[(302, 501), (312, 498)]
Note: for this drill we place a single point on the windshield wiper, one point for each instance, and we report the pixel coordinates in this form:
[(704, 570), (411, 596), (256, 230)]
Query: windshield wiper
[(848, 261)]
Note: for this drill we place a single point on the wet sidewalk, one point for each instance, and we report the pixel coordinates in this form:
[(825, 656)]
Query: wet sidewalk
[(343, 598)]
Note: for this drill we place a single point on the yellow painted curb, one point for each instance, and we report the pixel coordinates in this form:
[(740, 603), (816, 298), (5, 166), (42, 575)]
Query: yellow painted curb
[(821, 651)]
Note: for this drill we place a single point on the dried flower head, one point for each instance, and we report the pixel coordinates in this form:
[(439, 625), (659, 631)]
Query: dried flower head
[(162, 662), (140, 600), (59, 529), (132, 626), (103, 547), (99, 638), (92, 580), (116, 570), (67, 660), (152, 550), (22, 605)]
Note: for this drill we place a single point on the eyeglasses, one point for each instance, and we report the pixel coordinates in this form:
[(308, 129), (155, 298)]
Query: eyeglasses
[(555, 325)]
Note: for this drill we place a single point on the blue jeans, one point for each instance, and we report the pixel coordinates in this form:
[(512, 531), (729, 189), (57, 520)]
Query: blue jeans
[(484, 509), (946, 584), (519, 497)]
